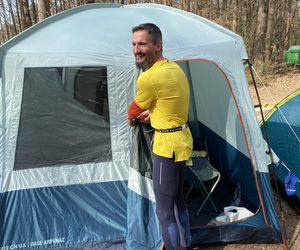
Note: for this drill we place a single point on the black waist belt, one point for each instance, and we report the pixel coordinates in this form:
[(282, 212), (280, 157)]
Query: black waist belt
[(169, 130)]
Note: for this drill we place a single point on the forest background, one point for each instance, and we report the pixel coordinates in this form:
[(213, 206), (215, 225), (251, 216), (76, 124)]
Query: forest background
[(268, 27)]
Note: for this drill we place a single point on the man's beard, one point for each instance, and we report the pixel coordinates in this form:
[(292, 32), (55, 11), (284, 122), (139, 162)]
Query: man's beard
[(145, 64), (142, 65)]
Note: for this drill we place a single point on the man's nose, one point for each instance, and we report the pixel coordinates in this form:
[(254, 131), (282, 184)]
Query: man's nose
[(136, 49)]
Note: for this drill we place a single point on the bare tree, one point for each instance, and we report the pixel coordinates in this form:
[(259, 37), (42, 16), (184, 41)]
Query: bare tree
[(2, 37), (13, 26), (24, 15), (43, 9), (235, 15), (5, 24), (260, 34), (18, 16), (269, 32), (34, 12), (27, 17), (295, 31), (289, 16), (54, 7)]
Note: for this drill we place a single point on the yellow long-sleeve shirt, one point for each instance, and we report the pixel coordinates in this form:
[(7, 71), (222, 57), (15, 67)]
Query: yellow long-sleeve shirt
[(164, 91)]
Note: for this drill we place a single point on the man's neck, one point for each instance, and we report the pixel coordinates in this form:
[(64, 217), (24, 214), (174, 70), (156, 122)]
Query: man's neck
[(160, 58)]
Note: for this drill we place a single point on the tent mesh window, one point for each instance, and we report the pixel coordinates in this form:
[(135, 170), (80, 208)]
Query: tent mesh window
[(64, 118)]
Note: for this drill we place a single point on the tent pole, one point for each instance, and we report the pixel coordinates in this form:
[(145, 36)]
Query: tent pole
[(270, 154)]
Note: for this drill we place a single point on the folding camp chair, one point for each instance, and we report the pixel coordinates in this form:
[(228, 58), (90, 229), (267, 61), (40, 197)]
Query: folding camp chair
[(203, 172)]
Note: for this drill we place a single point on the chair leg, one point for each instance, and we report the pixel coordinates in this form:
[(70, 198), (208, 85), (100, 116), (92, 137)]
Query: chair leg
[(204, 202), (189, 191), (208, 196)]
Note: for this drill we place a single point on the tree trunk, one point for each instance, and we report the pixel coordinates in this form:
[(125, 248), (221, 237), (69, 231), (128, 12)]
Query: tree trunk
[(55, 7), (22, 14), (61, 4), (218, 10), (34, 12), (235, 16), (185, 5), (27, 17), (2, 37), (43, 9), (295, 35), (269, 31), (14, 30), (5, 29), (288, 22), (19, 24), (168, 2), (260, 35), (243, 28)]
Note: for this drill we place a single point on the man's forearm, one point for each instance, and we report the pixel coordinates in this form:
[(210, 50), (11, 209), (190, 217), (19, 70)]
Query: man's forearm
[(134, 110)]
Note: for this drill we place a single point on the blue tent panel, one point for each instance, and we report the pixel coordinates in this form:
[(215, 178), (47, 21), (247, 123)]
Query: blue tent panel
[(76, 215), (282, 131), (143, 227)]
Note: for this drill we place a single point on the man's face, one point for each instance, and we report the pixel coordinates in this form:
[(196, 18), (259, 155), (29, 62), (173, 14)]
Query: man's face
[(145, 51)]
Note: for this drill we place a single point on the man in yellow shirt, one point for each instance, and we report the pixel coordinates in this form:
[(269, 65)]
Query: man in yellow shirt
[(163, 96)]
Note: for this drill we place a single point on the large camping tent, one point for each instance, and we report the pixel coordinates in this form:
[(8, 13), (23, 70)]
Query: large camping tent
[(73, 175), (281, 130)]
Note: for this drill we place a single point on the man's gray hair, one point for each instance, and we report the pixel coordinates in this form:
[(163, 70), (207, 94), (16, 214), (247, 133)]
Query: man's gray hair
[(152, 29)]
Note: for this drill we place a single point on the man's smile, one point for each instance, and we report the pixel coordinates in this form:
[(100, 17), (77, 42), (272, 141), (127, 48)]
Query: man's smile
[(139, 56)]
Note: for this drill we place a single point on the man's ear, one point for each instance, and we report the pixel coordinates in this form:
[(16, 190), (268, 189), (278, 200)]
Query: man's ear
[(159, 47)]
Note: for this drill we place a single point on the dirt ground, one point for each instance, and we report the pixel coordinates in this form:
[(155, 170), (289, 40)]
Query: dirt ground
[(272, 89)]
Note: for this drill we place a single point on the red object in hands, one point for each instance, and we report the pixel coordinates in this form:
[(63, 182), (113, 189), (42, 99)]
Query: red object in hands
[(134, 110)]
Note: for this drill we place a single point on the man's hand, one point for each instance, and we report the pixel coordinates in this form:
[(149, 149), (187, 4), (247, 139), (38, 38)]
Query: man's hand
[(144, 117), (131, 121)]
